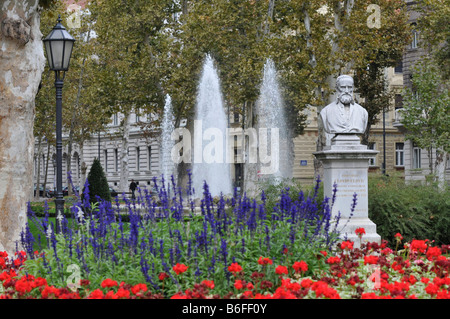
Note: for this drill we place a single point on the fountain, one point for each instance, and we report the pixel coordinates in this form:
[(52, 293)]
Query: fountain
[(274, 137), (167, 164), (210, 124)]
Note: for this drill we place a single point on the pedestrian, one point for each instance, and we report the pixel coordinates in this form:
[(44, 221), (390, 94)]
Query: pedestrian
[(133, 186)]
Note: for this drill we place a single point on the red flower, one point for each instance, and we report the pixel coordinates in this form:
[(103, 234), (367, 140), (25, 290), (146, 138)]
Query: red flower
[(398, 236), (333, 260), (40, 282), (264, 261), (306, 283), (108, 283), (22, 285), (96, 294), (300, 266), (433, 252), (163, 275), (418, 245), (280, 270), (371, 260), (238, 284), (122, 293), (432, 289), (138, 288), (347, 245), (48, 291), (235, 267), (179, 295), (360, 231), (179, 268), (208, 283)]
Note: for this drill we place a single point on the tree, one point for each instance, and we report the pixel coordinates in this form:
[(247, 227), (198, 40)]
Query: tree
[(434, 27), (21, 66), (129, 53), (98, 184), (426, 117), (370, 38)]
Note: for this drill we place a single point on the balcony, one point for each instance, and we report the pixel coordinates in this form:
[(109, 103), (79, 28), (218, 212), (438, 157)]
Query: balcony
[(397, 121)]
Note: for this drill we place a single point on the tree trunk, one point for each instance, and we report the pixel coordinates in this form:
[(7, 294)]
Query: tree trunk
[(21, 67), (38, 173), (440, 166), (83, 169), (44, 185), (123, 184)]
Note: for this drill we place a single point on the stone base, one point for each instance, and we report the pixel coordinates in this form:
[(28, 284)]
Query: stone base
[(345, 164), (347, 230)]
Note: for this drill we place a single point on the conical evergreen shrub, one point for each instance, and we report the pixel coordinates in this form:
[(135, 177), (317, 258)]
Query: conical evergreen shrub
[(98, 184)]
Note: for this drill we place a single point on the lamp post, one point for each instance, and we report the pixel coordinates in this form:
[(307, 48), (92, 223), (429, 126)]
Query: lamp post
[(58, 46)]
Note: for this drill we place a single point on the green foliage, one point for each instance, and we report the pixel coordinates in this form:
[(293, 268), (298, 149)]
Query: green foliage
[(425, 112), (434, 28), (274, 189), (415, 211), (98, 184)]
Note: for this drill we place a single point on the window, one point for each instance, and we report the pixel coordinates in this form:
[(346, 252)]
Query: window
[(115, 119), (398, 101), (399, 154), (416, 156), (372, 161), (415, 37), (149, 157), (236, 117), (399, 67), (116, 159), (138, 155), (105, 152)]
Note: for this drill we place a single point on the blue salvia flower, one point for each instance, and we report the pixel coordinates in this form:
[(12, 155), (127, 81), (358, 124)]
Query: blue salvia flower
[(251, 221), (145, 271), (171, 258), (224, 250), (333, 198), (354, 202), (161, 249), (27, 240), (86, 196), (267, 239), (47, 265)]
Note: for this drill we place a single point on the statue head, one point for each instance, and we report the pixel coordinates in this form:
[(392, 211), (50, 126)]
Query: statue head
[(344, 87)]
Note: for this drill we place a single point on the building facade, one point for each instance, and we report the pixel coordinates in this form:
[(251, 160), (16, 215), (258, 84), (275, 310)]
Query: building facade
[(418, 162)]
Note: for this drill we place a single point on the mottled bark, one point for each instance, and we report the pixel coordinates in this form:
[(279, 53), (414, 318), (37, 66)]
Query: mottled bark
[(21, 65), (123, 183)]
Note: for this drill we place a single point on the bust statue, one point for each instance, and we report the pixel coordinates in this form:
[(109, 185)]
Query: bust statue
[(344, 115)]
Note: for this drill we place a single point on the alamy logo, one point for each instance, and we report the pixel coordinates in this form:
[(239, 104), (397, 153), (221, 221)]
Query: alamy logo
[(212, 145), (374, 19), (74, 19), (73, 281)]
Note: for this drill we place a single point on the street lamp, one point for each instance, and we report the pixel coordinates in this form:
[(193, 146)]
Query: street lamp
[(58, 46)]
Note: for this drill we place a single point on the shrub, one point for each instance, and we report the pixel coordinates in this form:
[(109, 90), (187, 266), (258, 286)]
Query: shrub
[(414, 210), (98, 184)]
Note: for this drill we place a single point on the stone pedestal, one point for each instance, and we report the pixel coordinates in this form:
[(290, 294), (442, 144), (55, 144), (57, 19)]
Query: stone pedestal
[(346, 162)]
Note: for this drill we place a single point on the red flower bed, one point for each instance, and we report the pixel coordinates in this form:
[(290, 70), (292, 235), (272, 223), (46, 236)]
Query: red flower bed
[(374, 271)]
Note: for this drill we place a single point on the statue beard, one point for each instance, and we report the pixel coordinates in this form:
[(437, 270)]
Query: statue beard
[(346, 99)]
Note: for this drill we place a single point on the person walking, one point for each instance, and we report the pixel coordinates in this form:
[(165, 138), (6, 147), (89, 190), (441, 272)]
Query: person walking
[(133, 187)]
